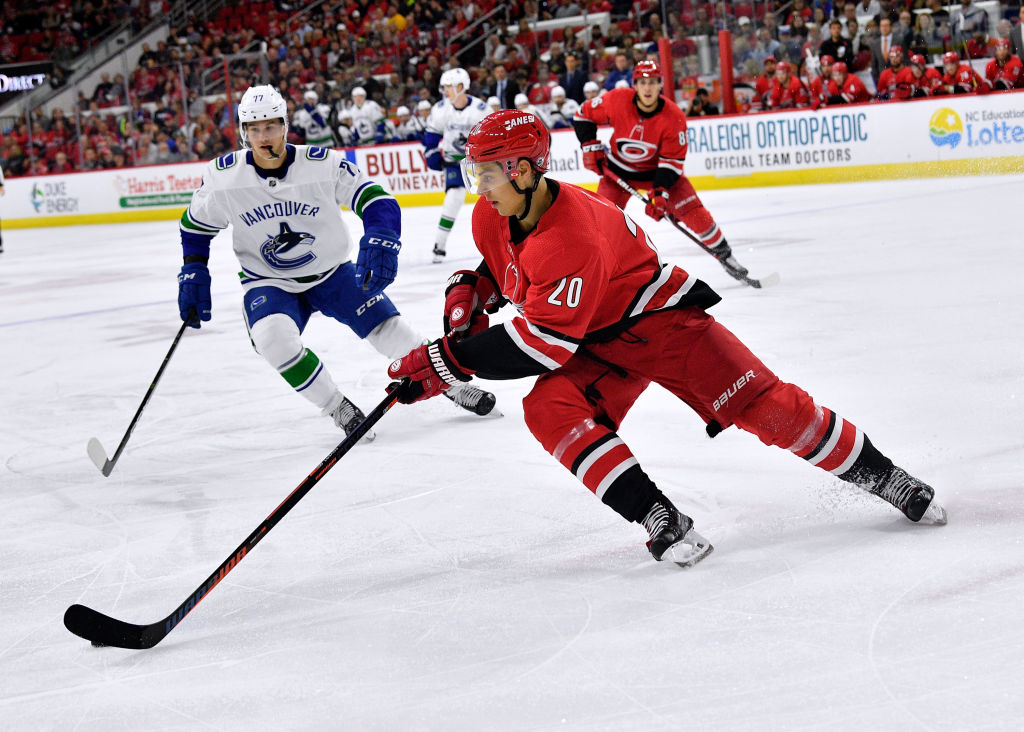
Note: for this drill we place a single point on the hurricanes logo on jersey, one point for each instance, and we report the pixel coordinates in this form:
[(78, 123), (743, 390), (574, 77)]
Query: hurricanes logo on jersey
[(283, 242), (635, 151)]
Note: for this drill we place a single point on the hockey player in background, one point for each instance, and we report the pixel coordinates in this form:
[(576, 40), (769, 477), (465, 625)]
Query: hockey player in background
[(919, 78), (851, 88), (647, 150), (560, 110), (312, 119), (823, 86), (367, 119), (444, 141), (1005, 71), (293, 246), (408, 127), (600, 318), (959, 78), (523, 104), (343, 133)]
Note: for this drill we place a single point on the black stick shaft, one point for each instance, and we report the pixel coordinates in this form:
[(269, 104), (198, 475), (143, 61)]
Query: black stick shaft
[(109, 466), (104, 630)]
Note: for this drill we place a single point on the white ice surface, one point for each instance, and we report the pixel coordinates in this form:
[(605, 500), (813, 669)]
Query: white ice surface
[(451, 575)]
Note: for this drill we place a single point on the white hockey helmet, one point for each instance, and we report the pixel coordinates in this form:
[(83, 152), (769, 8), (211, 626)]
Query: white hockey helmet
[(403, 111), (521, 99), (591, 86), (423, 105), (311, 96), (260, 103), (454, 77), (493, 102), (358, 91), (557, 92)]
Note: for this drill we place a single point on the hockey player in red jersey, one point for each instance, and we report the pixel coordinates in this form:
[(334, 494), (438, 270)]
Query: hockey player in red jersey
[(601, 316), (959, 78), (647, 150), (887, 80), (919, 79), (1005, 71), (763, 85), (823, 86), (851, 88), (788, 91)]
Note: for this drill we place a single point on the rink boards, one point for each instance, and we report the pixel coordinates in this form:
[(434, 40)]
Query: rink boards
[(951, 136)]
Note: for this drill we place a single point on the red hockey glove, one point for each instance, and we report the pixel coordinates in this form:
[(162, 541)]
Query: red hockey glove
[(594, 157), (466, 298), (657, 207), (431, 369)]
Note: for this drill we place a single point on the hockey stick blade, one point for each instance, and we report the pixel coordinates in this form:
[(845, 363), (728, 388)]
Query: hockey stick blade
[(99, 456), (96, 450), (768, 281), (103, 630)]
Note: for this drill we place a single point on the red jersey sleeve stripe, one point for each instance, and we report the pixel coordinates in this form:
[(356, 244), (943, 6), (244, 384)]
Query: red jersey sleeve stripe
[(547, 350), (676, 166)]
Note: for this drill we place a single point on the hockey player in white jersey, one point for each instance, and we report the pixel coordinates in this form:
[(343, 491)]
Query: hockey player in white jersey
[(282, 202), (560, 109), (523, 104), (444, 141), (367, 119), (313, 120), (409, 128)]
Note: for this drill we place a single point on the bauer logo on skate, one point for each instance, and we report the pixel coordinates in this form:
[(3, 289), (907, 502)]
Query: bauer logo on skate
[(731, 391)]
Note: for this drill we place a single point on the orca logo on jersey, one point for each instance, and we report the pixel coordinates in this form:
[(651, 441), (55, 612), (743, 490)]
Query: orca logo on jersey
[(635, 151), (284, 241)]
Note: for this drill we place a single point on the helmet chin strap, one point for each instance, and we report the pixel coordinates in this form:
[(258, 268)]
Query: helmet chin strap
[(528, 193)]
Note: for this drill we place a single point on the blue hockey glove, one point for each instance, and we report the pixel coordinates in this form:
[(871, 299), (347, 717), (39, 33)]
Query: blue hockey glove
[(194, 293), (377, 264)]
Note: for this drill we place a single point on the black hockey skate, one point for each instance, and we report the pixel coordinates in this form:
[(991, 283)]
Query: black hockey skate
[(913, 497), (348, 416), (672, 536), (439, 254), (473, 399)]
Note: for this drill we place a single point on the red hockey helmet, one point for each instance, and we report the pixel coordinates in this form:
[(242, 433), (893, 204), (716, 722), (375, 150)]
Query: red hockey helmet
[(951, 57), (918, 60), (896, 50), (504, 137), (784, 66), (839, 68), (1002, 43), (826, 60), (647, 69)]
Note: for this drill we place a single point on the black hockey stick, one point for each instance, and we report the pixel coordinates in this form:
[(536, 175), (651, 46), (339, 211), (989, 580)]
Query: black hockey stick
[(95, 449), (768, 281), (104, 630)]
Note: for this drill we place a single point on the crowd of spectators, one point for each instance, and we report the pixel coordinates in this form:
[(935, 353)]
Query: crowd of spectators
[(395, 53)]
